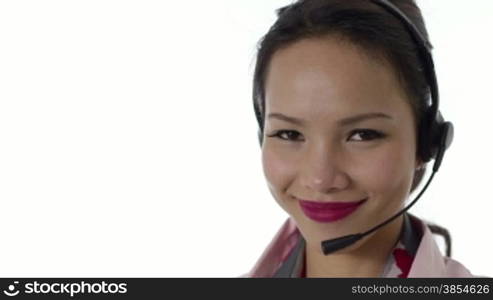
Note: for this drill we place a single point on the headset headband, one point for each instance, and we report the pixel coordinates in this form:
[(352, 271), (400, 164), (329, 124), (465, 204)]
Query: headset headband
[(424, 50)]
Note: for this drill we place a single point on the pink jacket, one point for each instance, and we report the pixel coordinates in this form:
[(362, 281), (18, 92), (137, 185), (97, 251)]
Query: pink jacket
[(428, 261)]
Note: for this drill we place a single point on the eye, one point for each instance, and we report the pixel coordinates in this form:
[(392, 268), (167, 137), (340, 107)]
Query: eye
[(287, 135), (366, 134)]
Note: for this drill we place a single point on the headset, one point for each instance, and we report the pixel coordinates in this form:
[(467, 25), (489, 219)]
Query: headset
[(435, 135)]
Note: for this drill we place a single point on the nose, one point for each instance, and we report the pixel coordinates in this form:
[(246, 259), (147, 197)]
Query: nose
[(323, 172)]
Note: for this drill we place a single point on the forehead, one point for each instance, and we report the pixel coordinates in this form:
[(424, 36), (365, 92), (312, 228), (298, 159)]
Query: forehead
[(331, 76)]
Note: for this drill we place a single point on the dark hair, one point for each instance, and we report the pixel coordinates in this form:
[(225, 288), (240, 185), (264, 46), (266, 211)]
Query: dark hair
[(364, 24)]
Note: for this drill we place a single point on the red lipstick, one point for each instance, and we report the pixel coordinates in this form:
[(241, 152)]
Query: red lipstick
[(329, 211)]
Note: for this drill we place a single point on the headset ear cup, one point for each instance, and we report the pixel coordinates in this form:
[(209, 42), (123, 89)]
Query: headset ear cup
[(436, 135), (449, 134), (435, 139), (444, 140), (432, 137)]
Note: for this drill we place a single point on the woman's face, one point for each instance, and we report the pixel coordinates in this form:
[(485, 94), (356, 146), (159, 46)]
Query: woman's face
[(338, 128)]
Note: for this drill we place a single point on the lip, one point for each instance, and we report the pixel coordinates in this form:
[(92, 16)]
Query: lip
[(326, 212)]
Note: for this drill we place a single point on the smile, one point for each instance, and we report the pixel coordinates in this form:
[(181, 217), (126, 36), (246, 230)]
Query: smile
[(329, 211)]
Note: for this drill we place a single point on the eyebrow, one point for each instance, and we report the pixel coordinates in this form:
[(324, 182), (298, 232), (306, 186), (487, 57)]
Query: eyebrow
[(342, 122)]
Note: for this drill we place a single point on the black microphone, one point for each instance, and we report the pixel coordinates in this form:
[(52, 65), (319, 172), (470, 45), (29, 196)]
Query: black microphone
[(333, 245)]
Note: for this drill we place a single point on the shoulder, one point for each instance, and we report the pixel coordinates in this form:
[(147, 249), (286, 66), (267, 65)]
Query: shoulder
[(277, 251), (453, 268), (429, 260)]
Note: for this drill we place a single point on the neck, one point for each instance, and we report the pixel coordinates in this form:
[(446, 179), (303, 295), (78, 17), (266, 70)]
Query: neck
[(366, 258)]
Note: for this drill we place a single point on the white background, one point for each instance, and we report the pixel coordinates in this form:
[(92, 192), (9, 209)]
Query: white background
[(128, 143)]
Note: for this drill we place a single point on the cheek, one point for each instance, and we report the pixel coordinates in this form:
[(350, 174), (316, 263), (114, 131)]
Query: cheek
[(389, 172), (275, 169), (279, 172)]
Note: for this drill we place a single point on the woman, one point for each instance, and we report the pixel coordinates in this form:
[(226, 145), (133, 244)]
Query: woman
[(342, 92)]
